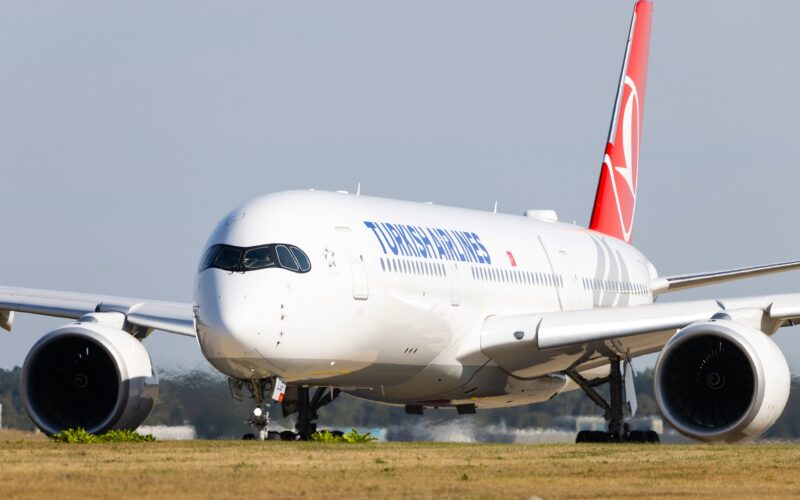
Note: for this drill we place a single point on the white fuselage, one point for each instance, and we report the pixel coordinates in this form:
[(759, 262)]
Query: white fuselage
[(393, 305)]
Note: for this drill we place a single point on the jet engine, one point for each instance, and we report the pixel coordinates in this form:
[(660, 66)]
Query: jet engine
[(721, 380), (87, 374)]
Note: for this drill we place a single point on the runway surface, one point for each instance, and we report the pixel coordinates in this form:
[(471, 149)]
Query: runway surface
[(32, 467)]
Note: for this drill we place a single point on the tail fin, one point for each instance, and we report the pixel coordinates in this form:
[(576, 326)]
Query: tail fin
[(615, 202)]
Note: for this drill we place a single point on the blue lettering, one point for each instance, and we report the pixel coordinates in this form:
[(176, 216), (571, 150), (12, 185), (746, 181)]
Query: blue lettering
[(446, 244), (404, 234), (456, 248), (486, 257), (451, 249), (466, 246), (412, 231), (426, 242), (372, 226), (474, 247), (440, 249), (394, 230), (390, 242)]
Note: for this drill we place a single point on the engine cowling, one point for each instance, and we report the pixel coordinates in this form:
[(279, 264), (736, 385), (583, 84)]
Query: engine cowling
[(89, 375), (721, 380)]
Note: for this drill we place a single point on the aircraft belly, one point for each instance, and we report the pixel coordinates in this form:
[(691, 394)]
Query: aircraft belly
[(320, 372), (489, 387)]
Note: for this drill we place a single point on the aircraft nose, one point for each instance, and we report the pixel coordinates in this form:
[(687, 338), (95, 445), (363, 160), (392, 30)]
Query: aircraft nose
[(226, 324)]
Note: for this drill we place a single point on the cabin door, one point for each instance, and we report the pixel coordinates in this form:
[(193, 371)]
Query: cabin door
[(358, 268)]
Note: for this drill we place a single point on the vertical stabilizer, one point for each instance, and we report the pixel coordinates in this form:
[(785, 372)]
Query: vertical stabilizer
[(615, 202)]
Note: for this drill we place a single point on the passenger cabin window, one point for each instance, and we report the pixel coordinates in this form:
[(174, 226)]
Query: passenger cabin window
[(238, 259)]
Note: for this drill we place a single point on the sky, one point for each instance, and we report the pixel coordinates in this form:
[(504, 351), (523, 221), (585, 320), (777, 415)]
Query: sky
[(127, 129)]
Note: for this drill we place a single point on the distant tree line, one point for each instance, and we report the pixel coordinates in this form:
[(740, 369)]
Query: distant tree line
[(202, 398)]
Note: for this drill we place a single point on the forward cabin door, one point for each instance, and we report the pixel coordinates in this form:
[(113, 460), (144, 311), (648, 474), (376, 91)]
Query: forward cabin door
[(358, 268)]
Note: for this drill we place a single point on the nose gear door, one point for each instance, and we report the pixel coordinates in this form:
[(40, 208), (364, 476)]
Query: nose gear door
[(358, 268)]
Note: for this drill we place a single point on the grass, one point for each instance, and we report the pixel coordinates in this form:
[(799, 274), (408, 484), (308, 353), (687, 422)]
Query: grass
[(351, 437), (35, 468), (80, 436)]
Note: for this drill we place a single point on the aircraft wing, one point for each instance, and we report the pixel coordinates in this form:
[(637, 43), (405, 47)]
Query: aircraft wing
[(684, 281), (536, 344), (166, 316)]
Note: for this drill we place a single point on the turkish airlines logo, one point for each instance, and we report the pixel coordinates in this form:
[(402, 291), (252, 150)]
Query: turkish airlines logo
[(626, 167)]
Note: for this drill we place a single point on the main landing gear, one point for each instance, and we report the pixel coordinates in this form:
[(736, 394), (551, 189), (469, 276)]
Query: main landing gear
[(299, 400), (295, 399), (614, 409)]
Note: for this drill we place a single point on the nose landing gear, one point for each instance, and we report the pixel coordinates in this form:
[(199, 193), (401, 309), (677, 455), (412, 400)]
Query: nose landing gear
[(293, 399), (259, 419), (260, 422)]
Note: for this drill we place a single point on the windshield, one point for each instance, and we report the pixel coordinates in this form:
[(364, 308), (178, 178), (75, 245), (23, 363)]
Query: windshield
[(286, 259), (238, 259), (259, 258), (228, 258)]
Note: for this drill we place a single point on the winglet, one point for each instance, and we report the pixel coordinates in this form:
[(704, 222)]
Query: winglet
[(615, 202)]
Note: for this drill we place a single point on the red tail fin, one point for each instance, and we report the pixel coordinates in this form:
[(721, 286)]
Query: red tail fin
[(615, 203)]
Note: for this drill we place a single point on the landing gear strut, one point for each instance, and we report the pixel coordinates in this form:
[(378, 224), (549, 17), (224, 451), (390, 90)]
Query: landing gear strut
[(259, 420), (613, 409), (299, 400), (295, 399)]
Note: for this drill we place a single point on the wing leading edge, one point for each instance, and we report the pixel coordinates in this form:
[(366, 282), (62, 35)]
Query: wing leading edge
[(170, 317), (686, 281), (537, 344)]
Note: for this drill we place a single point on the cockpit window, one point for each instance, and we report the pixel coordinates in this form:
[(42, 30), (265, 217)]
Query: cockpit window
[(302, 259), (259, 258), (209, 257), (238, 259), (228, 258), (286, 259)]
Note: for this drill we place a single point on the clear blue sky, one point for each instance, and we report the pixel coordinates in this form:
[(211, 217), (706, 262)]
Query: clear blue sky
[(127, 129)]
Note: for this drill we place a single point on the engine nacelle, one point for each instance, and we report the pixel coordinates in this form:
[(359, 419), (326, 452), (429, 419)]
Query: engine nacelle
[(721, 380), (87, 374)]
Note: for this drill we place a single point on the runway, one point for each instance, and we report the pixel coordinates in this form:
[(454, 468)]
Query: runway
[(36, 467)]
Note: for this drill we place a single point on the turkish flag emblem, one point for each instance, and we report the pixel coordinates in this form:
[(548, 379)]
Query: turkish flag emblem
[(511, 258)]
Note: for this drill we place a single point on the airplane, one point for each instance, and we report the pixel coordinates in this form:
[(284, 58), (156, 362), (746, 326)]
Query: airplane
[(301, 296)]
